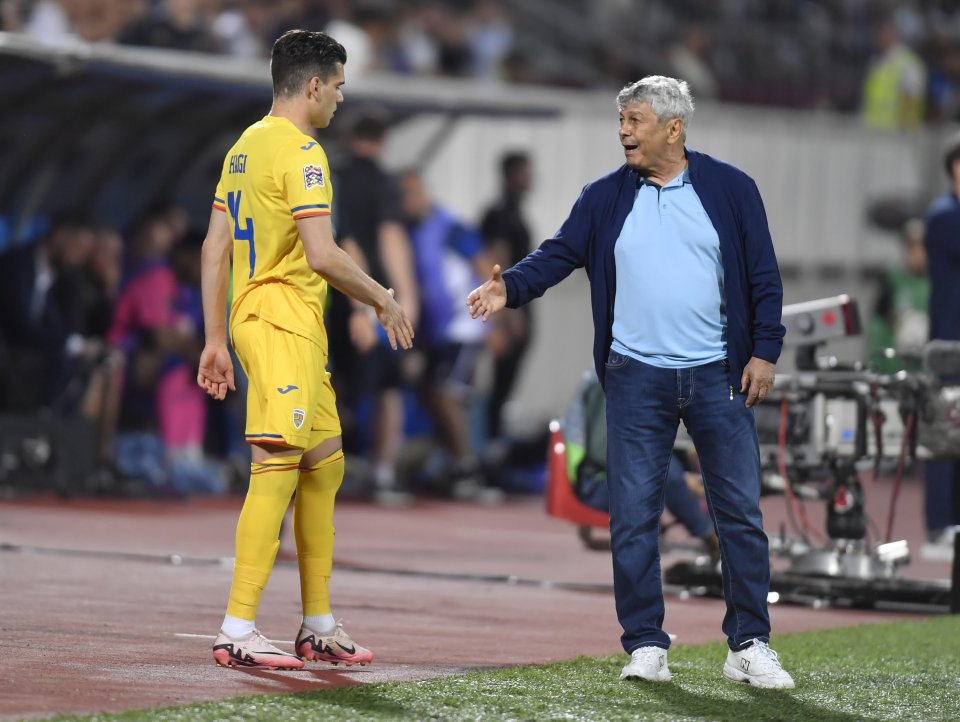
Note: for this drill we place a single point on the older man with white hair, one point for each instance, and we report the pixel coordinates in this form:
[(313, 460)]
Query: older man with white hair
[(686, 298)]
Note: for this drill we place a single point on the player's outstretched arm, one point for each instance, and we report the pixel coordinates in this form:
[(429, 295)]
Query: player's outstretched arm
[(489, 298), (327, 259), (215, 374)]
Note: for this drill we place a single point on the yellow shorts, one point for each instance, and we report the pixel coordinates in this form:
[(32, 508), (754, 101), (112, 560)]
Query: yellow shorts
[(289, 393)]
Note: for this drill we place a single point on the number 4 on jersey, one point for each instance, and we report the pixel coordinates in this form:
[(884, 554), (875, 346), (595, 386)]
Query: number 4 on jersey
[(244, 232)]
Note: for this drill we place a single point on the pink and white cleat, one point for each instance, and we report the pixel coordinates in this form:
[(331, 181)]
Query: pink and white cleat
[(253, 651), (335, 647)]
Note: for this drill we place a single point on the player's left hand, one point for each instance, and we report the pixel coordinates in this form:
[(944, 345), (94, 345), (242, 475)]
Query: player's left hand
[(757, 380), (215, 374)]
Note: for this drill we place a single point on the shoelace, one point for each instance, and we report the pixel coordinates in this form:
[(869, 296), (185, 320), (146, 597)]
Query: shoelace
[(259, 639), (646, 654), (766, 655)]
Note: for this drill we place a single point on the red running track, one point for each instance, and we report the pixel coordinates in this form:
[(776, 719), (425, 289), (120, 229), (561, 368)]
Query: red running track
[(97, 616)]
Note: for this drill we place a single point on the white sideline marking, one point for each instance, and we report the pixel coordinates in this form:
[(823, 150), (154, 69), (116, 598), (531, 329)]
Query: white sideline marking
[(214, 636)]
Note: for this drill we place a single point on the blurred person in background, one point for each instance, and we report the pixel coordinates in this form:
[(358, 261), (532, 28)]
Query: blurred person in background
[(58, 303), (369, 31), (687, 299), (369, 221), (507, 238), (454, 52), (901, 321), (943, 84), (173, 24), (490, 36), (100, 287), (584, 427), (182, 409), (163, 414), (308, 14), (243, 28), (103, 272), (894, 91), (51, 347), (942, 241), (433, 39), (689, 58), (449, 259), (271, 214), (92, 21), (416, 44)]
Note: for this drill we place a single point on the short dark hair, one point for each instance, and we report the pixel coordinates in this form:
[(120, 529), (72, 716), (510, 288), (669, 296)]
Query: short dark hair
[(512, 161), (299, 55)]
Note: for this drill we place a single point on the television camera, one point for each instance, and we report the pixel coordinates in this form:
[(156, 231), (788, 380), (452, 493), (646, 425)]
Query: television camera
[(819, 429)]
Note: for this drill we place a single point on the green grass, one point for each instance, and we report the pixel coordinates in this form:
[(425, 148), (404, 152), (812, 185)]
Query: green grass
[(900, 671)]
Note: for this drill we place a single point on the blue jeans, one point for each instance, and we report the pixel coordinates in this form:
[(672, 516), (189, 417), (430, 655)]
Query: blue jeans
[(942, 477), (645, 405)]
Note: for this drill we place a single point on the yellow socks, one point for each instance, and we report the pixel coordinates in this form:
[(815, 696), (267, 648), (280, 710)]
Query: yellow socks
[(313, 528), (258, 531)]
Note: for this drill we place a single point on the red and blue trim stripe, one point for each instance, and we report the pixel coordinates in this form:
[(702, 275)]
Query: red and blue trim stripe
[(308, 211), (256, 468), (251, 438)]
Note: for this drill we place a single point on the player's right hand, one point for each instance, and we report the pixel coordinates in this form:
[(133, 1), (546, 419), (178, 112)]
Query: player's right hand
[(215, 374), (395, 322), (489, 298)]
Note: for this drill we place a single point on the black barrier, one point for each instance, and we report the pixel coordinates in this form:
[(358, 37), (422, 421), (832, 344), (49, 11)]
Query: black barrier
[(41, 452)]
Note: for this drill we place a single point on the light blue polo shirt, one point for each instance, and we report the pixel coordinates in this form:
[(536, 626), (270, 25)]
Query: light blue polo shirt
[(669, 309)]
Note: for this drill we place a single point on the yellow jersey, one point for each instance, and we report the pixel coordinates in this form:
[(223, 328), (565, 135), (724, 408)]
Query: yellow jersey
[(273, 175)]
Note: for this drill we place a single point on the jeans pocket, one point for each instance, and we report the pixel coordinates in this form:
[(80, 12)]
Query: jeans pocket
[(616, 360)]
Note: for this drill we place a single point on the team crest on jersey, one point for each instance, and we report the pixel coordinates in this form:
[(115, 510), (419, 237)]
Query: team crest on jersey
[(298, 416), (312, 176)]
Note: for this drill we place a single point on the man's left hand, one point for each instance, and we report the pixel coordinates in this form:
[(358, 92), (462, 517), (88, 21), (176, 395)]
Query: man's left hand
[(757, 380)]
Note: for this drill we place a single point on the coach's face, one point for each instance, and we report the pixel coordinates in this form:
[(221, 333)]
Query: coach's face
[(325, 96), (646, 141)]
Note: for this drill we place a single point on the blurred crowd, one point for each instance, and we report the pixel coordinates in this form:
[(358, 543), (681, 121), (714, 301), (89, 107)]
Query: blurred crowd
[(105, 325), (846, 55), (445, 38)]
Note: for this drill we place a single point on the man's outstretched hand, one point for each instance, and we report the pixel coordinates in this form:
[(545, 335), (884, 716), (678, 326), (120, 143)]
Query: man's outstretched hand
[(489, 298)]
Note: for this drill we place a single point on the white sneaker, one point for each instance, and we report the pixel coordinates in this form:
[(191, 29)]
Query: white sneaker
[(940, 547), (757, 665), (649, 663)]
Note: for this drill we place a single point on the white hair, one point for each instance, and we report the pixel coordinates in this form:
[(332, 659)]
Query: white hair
[(668, 97)]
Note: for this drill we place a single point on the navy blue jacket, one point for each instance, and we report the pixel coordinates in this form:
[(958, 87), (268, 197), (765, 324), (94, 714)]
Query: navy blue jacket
[(754, 292), (943, 265)]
